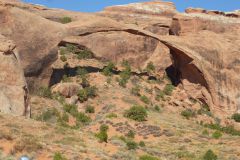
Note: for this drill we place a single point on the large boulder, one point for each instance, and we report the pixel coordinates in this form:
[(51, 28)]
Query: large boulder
[(66, 89), (13, 89)]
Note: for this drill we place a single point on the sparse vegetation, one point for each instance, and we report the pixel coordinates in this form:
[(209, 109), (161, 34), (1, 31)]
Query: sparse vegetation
[(44, 92), (148, 157), (63, 58), (142, 144), (125, 74), (84, 54), (65, 20), (89, 109), (188, 113), (131, 145), (102, 135), (108, 70), (228, 129), (58, 156), (236, 117), (88, 92), (130, 134), (157, 108), (160, 95), (145, 99), (150, 67), (210, 155), (135, 90), (168, 89), (137, 113), (217, 134), (112, 115)]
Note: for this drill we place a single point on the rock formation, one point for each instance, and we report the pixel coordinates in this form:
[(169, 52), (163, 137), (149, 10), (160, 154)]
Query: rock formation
[(203, 45), (13, 89)]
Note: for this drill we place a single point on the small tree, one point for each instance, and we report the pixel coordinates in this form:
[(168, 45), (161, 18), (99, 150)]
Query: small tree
[(108, 70), (102, 134), (131, 145)]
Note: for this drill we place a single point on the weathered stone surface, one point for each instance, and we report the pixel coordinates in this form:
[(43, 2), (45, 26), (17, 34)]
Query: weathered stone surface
[(66, 89), (13, 89)]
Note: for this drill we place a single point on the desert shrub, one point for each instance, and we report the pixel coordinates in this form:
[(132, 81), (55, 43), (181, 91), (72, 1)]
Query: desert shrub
[(157, 108), (63, 58), (145, 99), (82, 95), (125, 74), (63, 51), (217, 134), (137, 113), (228, 129), (85, 83), (188, 113), (160, 95), (84, 54), (150, 67), (44, 92), (148, 157), (58, 156), (168, 89), (205, 132), (27, 144), (210, 155), (205, 110), (91, 91), (142, 144), (108, 70), (89, 109), (135, 90), (131, 145), (51, 113), (71, 48), (70, 108), (81, 72), (59, 98), (65, 20), (65, 117), (102, 134), (130, 134), (82, 117), (112, 115), (236, 117)]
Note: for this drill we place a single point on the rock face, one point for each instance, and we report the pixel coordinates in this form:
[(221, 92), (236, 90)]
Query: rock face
[(202, 46), (67, 89), (13, 89)]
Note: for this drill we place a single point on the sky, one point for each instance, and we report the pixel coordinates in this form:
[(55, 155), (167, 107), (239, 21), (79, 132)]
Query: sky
[(98, 5)]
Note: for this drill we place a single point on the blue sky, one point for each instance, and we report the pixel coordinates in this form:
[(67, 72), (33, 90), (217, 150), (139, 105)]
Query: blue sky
[(97, 5)]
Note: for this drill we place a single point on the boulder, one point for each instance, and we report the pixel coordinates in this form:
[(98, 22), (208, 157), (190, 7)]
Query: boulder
[(67, 90)]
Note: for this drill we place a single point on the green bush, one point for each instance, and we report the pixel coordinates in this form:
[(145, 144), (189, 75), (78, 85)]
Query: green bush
[(210, 155), (63, 58), (137, 113), (188, 113), (130, 134), (89, 109), (83, 118), (58, 156), (108, 70), (102, 135), (91, 91), (236, 117), (150, 67), (125, 74), (145, 99), (142, 144), (65, 20), (65, 78), (82, 95), (44, 92), (168, 89), (157, 108), (85, 82), (131, 145), (217, 135), (148, 157), (71, 48), (136, 91)]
